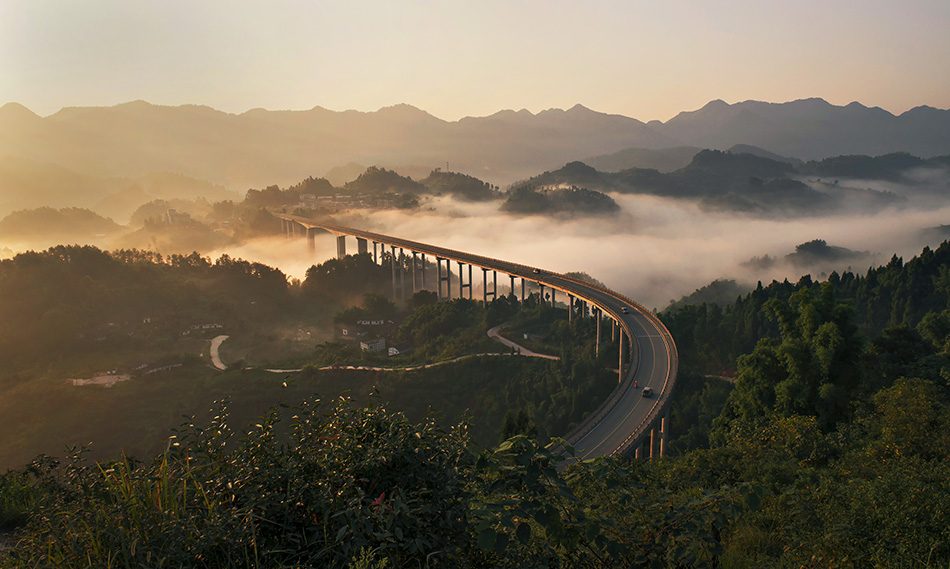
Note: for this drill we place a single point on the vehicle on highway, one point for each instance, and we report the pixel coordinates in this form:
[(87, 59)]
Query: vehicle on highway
[(624, 310), (648, 392), (537, 271)]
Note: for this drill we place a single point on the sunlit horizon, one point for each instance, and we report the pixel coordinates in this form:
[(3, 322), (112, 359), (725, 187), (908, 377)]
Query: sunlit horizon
[(649, 62)]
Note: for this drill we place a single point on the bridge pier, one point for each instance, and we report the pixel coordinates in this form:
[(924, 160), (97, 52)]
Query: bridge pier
[(553, 297), (570, 308), (522, 290), (414, 270), (512, 277), (392, 263), (541, 294), (447, 278), (361, 245), (620, 345), (664, 431), (423, 270), (311, 240), (596, 313), (402, 275), (462, 284), (494, 292), (340, 246), (375, 256)]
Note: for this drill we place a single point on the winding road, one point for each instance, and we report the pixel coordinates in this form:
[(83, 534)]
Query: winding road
[(626, 422)]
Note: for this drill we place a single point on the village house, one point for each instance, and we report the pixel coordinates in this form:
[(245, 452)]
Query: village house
[(377, 345)]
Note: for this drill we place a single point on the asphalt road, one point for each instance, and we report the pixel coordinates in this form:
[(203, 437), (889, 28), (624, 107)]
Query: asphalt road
[(626, 416)]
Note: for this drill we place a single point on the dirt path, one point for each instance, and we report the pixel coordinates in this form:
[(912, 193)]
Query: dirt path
[(495, 335), (215, 355)]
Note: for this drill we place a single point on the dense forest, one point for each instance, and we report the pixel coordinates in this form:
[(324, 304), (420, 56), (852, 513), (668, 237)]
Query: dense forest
[(811, 428)]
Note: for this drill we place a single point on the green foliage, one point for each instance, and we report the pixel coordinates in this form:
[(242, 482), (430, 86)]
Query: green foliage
[(711, 338), (812, 371), (346, 480), (697, 402), (347, 279)]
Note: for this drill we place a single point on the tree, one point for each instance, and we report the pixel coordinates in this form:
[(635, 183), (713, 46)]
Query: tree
[(812, 370)]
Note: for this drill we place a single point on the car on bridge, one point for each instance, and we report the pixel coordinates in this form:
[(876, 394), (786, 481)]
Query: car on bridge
[(648, 392)]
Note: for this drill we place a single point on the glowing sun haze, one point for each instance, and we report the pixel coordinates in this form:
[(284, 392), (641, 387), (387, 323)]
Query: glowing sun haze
[(648, 60)]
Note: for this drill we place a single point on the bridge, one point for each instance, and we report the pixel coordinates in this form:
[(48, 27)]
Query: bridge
[(627, 422)]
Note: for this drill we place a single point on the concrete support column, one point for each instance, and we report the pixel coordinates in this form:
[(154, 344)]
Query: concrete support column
[(423, 270), (570, 307), (438, 273), (664, 431), (361, 245), (522, 290), (462, 284), (340, 246), (494, 285), (375, 256), (512, 284), (553, 297), (485, 286), (596, 313), (402, 275), (447, 278), (414, 287), (653, 440), (540, 293), (620, 345), (393, 265), (311, 240), (469, 281), (613, 330)]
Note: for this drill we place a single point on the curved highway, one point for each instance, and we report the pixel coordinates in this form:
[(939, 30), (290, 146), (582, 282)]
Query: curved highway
[(626, 419)]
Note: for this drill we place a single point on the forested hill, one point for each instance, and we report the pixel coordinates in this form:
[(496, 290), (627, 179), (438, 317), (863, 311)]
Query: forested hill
[(912, 295), (749, 183)]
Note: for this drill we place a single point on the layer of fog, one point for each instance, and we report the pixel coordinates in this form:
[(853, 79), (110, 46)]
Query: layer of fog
[(655, 251)]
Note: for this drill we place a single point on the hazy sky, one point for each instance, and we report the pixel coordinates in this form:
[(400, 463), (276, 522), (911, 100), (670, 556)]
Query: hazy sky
[(643, 59)]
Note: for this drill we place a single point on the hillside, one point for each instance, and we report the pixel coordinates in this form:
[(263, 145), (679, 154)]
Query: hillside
[(760, 185), (567, 202), (663, 160), (381, 181), (460, 185), (67, 224)]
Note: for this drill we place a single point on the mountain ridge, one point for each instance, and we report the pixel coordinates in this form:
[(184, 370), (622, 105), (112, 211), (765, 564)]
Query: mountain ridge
[(261, 147)]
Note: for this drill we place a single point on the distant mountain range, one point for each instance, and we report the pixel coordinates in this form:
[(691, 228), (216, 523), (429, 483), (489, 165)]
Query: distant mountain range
[(260, 147)]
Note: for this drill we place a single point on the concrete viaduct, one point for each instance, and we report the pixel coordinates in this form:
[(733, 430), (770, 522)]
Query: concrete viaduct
[(626, 423)]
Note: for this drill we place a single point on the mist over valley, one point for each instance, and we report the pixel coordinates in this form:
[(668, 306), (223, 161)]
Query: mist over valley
[(155, 301)]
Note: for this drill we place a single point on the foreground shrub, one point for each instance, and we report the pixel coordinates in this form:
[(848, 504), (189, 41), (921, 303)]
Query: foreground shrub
[(322, 490)]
